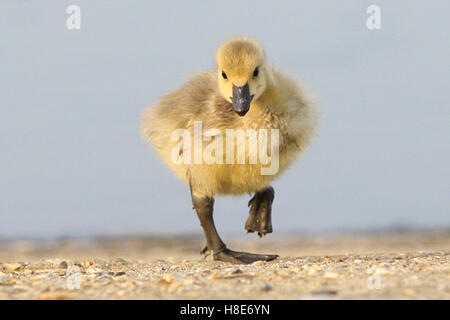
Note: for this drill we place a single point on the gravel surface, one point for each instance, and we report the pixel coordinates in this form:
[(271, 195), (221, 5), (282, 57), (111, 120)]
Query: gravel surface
[(383, 266)]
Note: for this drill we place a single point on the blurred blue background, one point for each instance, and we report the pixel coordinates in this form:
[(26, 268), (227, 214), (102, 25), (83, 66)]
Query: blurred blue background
[(72, 163)]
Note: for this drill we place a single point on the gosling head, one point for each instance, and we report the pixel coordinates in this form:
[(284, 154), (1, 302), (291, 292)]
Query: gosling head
[(242, 72)]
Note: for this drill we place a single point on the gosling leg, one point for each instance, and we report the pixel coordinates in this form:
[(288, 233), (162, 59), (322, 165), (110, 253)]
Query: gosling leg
[(260, 215), (204, 207)]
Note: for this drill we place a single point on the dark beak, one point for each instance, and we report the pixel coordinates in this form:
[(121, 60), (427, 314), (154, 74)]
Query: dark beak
[(241, 99)]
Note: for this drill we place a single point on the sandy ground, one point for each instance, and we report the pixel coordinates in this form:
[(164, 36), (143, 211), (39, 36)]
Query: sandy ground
[(376, 266)]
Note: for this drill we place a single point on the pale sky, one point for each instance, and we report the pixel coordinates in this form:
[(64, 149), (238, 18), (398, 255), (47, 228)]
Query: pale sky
[(72, 163)]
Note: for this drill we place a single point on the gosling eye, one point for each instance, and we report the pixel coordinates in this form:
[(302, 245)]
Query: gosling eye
[(256, 72), (224, 75)]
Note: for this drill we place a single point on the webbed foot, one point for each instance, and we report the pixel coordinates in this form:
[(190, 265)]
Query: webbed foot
[(260, 216), (228, 255)]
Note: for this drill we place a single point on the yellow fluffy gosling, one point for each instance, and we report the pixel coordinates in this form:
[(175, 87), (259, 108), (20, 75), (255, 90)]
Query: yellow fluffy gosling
[(232, 131)]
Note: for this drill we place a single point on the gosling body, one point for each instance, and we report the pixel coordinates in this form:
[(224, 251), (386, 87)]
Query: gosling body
[(243, 93)]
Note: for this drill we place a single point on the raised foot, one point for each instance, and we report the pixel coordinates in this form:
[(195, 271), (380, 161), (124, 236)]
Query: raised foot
[(260, 216), (228, 255)]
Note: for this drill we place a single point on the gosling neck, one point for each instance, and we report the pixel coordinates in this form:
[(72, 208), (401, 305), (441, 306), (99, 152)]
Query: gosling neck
[(270, 98)]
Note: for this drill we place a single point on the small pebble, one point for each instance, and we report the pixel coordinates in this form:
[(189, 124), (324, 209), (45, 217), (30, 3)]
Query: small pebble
[(12, 266), (266, 287)]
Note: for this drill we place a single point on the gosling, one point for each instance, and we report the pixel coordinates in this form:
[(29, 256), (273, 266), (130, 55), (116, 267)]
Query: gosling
[(244, 93)]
